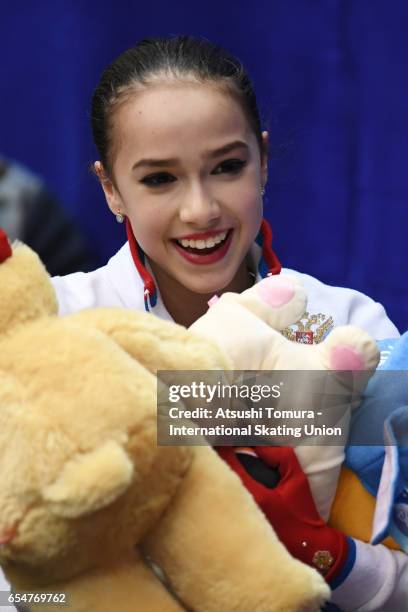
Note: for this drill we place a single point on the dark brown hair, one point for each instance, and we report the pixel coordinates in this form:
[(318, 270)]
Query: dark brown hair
[(179, 57)]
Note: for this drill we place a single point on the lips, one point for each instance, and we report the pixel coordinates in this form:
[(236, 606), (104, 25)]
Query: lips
[(203, 235), (204, 256)]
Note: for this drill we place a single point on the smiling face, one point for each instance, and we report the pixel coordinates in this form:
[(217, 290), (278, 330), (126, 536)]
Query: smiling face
[(188, 174)]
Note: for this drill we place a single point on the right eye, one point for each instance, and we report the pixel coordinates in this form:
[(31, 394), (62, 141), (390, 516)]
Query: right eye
[(158, 179)]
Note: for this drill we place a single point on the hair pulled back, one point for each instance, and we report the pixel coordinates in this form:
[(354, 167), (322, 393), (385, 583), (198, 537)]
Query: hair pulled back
[(180, 57)]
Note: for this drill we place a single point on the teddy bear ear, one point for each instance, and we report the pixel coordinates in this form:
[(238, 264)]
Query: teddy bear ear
[(26, 290), (90, 481)]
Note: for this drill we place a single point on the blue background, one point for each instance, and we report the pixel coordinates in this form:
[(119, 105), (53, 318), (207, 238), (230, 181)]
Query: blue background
[(331, 77)]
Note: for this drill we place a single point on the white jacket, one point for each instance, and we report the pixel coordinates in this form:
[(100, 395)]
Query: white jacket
[(119, 284)]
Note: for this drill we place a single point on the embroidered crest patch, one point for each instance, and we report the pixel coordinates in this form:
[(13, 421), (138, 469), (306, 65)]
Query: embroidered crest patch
[(310, 329), (304, 337)]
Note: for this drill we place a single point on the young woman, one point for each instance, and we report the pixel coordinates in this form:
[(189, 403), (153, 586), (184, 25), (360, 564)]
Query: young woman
[(183, 160)]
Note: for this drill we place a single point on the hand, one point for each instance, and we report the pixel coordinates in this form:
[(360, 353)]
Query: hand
[(288, 505)]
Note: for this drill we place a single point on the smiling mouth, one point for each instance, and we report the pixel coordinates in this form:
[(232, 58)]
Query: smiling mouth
[(204, 247)]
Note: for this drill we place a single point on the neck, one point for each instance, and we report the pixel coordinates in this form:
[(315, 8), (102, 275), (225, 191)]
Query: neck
[(186, 306)]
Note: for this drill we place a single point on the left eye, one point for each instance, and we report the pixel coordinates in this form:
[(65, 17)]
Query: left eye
[(231, 166), (158, 179)]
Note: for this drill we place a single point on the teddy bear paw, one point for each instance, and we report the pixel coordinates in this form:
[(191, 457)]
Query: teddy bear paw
[(350, 348), (278, 300)]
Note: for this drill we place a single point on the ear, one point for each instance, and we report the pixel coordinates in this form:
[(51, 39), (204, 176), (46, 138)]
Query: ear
[(90, 481), (264, 158), (112, 195)]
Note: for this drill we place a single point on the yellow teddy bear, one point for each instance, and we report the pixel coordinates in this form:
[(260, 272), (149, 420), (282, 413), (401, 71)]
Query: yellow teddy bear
[(90, 505)]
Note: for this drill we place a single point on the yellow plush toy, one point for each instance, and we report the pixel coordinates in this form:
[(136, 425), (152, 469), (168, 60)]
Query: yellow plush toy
[(88, 500)]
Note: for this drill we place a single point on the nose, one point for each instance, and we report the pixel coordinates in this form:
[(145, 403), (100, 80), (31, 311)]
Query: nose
[(199, 208)]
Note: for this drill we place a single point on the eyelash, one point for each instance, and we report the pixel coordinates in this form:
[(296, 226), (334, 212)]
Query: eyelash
[(231, 166)]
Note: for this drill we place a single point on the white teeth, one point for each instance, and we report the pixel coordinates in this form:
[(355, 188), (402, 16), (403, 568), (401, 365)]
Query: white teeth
[(203, 244)]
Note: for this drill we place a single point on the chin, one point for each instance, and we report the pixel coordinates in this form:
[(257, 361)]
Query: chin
[(212, 286)]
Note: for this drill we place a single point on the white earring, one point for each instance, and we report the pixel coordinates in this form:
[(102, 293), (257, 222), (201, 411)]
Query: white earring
[(119, 217), (262, 191)]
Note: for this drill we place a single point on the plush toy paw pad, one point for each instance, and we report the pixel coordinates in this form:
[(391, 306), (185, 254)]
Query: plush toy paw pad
[(275, 292), (345, 357), (350, 348), (213, 300), (279, 301)]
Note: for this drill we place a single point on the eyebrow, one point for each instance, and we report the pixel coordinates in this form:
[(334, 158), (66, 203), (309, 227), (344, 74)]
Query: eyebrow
[(160, 163)]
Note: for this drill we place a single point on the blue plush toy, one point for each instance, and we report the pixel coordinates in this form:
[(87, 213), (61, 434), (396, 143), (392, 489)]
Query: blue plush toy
[(378, 443)]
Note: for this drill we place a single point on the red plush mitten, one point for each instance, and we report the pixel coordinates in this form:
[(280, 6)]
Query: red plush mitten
[(278, 484), (5, 248)]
